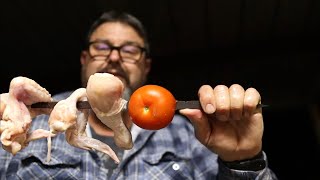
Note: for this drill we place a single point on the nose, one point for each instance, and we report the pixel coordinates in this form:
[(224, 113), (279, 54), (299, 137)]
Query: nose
[(114, 55)]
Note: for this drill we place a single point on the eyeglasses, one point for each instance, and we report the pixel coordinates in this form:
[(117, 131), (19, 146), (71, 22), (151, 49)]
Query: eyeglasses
[(101, 50)]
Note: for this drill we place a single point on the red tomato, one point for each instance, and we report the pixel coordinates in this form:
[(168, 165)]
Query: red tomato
[(152, 107)]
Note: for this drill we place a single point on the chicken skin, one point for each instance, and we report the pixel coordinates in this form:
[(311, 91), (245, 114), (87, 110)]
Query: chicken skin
[(105, 92), (65, 117), (15, 115)]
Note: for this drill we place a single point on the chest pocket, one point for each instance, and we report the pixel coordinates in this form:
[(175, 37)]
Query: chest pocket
[(168, 165), (31, 163)]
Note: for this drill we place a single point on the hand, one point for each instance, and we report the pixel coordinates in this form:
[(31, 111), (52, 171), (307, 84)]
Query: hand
[(229, 123)]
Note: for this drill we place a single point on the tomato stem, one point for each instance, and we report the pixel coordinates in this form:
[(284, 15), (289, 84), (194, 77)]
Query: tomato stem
[(146, 108)]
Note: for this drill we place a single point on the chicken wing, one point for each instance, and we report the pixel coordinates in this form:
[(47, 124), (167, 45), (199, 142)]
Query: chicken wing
[(105, 92), (15, 116), (65, 117)]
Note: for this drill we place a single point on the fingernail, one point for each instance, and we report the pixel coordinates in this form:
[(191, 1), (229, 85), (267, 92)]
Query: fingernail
[(210, 109)]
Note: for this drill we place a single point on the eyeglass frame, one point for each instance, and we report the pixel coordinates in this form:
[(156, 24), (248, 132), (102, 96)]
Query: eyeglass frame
[(118, 48)]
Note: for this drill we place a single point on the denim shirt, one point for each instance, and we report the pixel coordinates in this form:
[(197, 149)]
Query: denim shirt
[(170, 153)]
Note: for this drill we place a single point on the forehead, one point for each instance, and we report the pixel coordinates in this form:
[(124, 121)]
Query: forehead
[(117, 33)]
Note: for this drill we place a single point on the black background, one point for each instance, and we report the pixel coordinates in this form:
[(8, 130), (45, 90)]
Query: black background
[(272, 45)]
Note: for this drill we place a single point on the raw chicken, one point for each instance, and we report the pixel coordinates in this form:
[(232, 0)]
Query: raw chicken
[(3, 103), (64, 113), (75, 135), (65, 117), (104, 93), (15, 116)]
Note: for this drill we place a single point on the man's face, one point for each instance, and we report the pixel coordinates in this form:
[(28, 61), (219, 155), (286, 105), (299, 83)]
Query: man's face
[(133, 75)]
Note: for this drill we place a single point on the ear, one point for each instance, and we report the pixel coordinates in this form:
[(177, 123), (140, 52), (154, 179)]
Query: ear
[(84, 57)]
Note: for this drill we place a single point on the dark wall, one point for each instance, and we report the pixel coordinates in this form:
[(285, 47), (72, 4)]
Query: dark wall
[(269, 45)]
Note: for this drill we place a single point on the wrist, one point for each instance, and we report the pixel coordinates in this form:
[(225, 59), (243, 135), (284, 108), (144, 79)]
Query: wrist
[(255, 163)]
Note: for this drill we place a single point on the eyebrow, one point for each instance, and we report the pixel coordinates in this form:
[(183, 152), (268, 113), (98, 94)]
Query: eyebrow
[(124, 43), (133, 43)]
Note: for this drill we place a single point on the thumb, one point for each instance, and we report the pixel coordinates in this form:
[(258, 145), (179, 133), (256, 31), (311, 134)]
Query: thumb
[(200, 123)]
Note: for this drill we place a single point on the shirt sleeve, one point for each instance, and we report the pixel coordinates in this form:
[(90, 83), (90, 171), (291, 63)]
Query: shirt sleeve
[(231, 174)]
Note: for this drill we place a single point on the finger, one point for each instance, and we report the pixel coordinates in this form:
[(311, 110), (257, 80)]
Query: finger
[(251, 99), (236, 93), (199, 122), (206, 98), (222, 101)]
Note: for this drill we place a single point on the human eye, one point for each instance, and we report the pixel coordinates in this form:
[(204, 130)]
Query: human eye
[(130, 49), (101, 46)]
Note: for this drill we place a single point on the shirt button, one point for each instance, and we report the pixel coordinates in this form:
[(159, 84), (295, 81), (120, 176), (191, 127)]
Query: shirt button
[(175, 167)]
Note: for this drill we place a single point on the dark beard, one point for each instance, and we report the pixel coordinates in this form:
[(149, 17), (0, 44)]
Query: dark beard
[(126, 93)]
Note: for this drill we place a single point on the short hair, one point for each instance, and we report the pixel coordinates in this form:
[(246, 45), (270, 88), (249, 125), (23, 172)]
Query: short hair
[(122, 17)]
